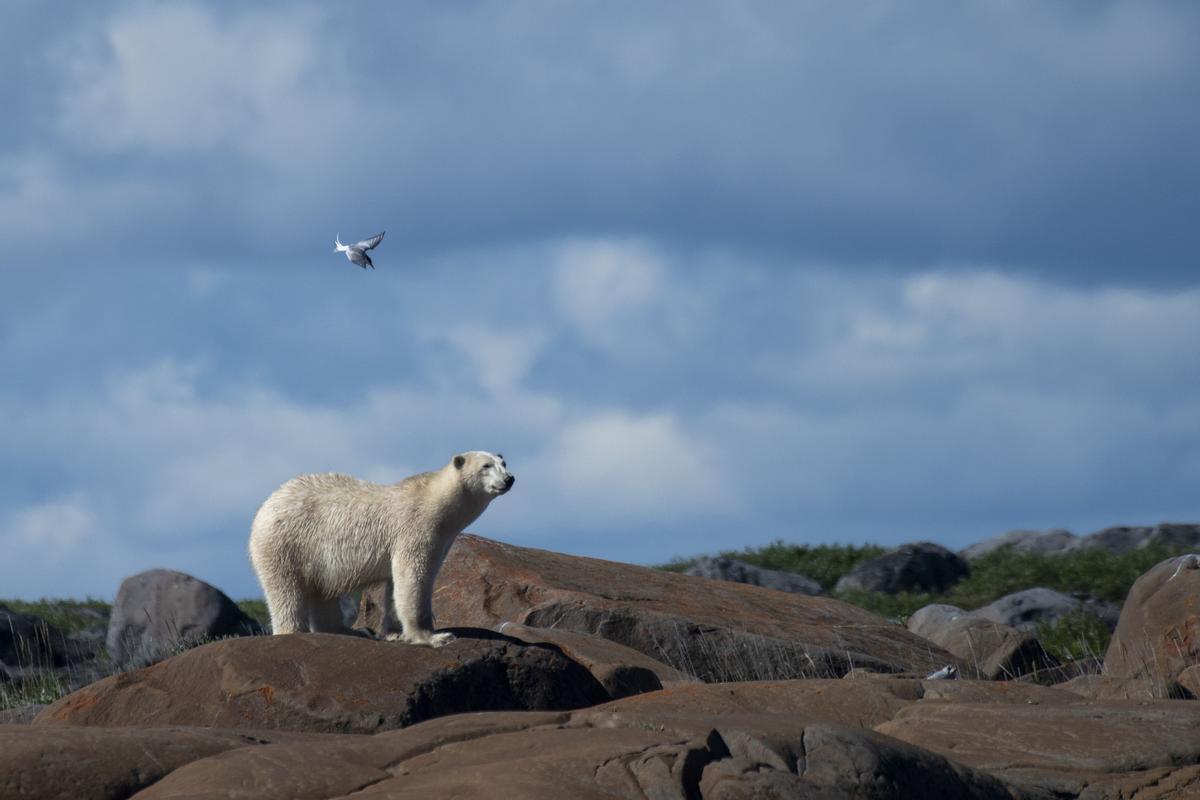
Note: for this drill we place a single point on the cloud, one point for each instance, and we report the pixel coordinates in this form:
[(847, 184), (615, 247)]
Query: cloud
[(636, 470), (177, 79)]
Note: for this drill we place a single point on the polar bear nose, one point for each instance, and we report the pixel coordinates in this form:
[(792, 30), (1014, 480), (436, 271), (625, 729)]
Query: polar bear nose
[(509, 481)]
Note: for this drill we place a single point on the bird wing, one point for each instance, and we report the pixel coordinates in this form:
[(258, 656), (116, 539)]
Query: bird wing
[(369, 244)]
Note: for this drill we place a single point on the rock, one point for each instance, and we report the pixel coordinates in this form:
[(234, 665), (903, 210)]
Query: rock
[(1123, 539), (713, 630), (1023, 541), (997, 652), (1158, 634), (866, 702), (928, 620), (1057, 751), (723, 568), (28, 642), (1104, 687), (590, 756), (161, 610), (331, 684), (1189, 681), (920, 567), (52, 762), (1024, 610), (621, 670)]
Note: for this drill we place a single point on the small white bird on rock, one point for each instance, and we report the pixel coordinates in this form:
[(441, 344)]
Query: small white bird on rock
[(357, 253)]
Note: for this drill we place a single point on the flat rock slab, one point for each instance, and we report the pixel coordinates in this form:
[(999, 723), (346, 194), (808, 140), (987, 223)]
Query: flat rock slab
[(534, 756), (866, 703), (713, 630), (1057, 749), (330, 683), (42, 761)]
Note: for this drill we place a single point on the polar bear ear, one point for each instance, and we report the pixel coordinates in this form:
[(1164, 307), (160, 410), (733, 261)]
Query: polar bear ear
[(459, 461)]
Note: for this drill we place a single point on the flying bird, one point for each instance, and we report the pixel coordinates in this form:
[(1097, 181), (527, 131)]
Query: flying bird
[(357, 253)]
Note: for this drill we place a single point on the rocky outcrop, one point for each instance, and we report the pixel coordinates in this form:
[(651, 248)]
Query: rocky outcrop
[(723, 568), (1024, 541), (870, 738), (713, 630), (920, 567), (1122, 539), (162, 610), (1158, 634), (331, 684)]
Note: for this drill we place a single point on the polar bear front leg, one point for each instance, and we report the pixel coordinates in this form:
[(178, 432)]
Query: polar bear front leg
[(413, 602)]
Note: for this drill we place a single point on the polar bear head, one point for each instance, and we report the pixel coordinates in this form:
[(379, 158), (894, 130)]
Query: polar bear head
[(484, 472)]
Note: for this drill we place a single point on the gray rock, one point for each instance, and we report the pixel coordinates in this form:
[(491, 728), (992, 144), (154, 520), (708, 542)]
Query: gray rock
[(919, 567), (1024, 610), (161, 610), (29, 642), (1123, 539), (1023, 541), (723, 568)]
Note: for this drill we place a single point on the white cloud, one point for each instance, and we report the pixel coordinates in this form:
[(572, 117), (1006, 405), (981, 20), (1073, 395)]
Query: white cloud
[(55, 529), (180, 78), (640, 470), (498, 359)]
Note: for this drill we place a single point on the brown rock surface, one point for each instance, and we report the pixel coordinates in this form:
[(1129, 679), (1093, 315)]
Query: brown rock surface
[(41, 761), (713, 630), (1158, 634), (1057, 749), (866, 702), (621, 670), (1106, 687), (330, 683), (534, 756)]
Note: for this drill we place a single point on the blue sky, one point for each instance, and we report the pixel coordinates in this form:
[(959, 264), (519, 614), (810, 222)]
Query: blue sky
[(708, 274)]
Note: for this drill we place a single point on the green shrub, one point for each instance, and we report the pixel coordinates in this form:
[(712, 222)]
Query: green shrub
[(257, 611)]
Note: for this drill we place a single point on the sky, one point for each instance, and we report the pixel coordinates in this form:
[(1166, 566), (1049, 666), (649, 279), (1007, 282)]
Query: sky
[(708, 274)]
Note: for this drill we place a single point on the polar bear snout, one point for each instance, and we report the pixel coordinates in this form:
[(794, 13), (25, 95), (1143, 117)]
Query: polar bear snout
[(508, 482)]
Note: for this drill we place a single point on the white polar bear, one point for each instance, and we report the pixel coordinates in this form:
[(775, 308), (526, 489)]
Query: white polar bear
[(319, 537)]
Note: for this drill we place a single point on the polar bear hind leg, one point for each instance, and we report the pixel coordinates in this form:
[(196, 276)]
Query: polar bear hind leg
[(289, 610)]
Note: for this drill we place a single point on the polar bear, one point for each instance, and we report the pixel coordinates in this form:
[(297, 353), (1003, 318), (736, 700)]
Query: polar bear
[(318, 537)]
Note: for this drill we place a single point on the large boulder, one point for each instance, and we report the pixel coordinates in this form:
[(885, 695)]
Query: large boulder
[(326, 683), (919, 567), (1026, 609), (1024, 541), (713, 630), (1158, 634), (161, 610), (723, 568)]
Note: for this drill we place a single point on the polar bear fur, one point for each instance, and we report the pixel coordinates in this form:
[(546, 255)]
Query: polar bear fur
[(319, 537)]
